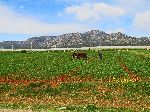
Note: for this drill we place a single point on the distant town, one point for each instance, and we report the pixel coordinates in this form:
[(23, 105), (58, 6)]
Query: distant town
[(91, 38)]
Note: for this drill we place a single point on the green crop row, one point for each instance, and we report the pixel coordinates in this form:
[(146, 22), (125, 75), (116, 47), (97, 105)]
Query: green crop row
[(137, 62), (44, 65)]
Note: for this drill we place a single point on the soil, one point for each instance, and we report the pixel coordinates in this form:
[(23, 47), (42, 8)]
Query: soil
[(133, 76)]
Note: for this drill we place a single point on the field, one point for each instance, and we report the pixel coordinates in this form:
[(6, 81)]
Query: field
[(54, 81)]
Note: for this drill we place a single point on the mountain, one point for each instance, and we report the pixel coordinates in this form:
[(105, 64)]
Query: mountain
[(91, 38)]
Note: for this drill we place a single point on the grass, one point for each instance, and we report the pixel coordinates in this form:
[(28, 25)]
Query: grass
[(69, 108), (57, 82)]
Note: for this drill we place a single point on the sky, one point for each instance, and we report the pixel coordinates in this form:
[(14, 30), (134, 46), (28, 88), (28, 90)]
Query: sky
[(23, 19)]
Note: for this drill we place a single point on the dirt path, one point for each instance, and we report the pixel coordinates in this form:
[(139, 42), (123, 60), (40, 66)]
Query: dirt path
[(55, 82), (11, 110), (133, 76)]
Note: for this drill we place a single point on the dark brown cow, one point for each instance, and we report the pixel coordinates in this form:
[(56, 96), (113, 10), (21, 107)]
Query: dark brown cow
[(80, 55)]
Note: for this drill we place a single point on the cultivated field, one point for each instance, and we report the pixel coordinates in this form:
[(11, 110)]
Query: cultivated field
[(54, 81)]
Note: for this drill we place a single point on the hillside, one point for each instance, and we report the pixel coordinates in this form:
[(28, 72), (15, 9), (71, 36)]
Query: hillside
[(91, 38)]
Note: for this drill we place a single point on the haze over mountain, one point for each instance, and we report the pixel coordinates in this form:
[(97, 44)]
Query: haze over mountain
[(91, 38)]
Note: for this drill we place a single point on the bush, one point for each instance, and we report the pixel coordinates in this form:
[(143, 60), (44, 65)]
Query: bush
[(91, 107), (23, 51)]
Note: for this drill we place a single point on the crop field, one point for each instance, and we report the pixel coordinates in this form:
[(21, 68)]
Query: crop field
[(53, 81)]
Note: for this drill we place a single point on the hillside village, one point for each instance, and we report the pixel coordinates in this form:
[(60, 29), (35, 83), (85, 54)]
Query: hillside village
[(91, 38)]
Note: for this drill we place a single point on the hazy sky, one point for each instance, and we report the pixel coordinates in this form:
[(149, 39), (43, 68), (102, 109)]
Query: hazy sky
[(21, 19)]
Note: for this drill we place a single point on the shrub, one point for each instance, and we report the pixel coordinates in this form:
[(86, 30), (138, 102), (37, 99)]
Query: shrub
[(91, 107), (23, 51)]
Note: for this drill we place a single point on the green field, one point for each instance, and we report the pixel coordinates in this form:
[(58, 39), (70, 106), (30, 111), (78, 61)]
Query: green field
[(54, 81)]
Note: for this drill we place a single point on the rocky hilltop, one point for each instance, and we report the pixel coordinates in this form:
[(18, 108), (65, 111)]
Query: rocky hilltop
[(91, 38)]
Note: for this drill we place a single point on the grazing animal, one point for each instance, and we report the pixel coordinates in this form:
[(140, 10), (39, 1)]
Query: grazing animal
[(80, 55), (100, 55)]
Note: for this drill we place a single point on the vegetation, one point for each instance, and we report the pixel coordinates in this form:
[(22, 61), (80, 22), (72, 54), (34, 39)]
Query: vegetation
[(53, 80)]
